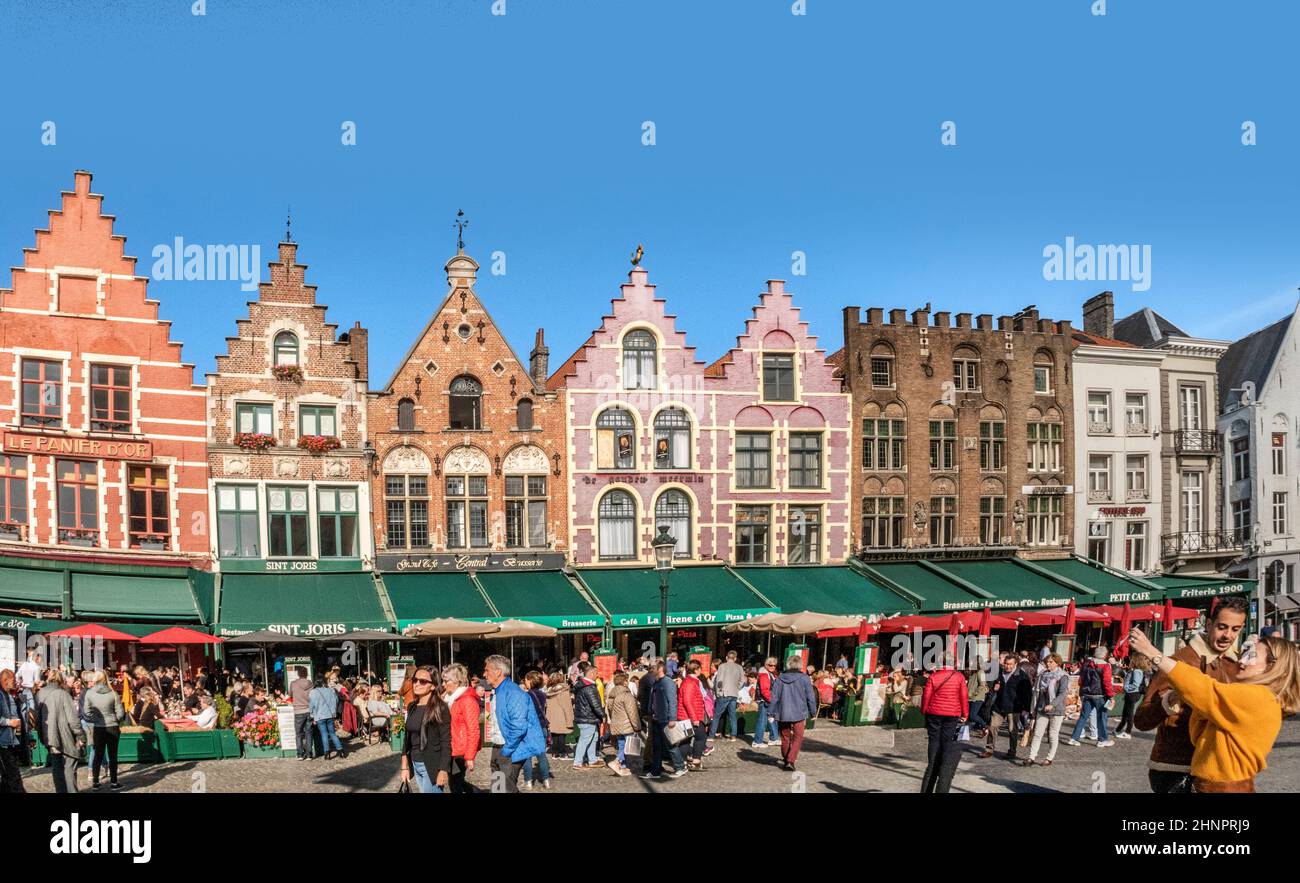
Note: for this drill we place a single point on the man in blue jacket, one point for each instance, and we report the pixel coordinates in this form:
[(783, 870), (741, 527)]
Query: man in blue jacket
[(516, 719), (663, 711)]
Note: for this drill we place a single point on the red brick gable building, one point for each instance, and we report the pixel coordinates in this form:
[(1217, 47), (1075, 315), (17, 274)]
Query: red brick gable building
[(287, 424), (469, 445), (103, 428)]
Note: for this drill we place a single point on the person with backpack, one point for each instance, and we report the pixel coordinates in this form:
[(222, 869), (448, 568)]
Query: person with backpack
[(1095, 692), (946, 706), (765, 728), (1137, 671)]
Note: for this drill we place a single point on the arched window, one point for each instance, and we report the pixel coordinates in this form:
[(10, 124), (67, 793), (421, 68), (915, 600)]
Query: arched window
[(466, 408), (673, 511), (524, 414), (882, 366), (615, 439), (672, 439), (639, 360), (286, 348), (406, 415), (616, 526), (1043, 365)]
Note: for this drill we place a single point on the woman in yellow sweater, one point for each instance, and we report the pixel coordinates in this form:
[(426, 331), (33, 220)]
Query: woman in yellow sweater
[(1233, 726)]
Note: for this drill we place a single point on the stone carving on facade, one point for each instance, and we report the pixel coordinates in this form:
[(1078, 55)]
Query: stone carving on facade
[(919, 516), (466, 460), (335, 467), (406, 459), (286, 467), (236, 465), (526, 459), (1018, 519)]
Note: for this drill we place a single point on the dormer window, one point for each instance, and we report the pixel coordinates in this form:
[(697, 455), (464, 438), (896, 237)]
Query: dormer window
[(286, 348), (466, 409), (639, 360)]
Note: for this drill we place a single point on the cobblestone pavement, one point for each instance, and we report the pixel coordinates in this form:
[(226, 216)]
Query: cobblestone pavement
[(834, 759)]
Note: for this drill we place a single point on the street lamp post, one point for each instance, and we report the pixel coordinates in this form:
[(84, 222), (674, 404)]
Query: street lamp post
[(664, 546)]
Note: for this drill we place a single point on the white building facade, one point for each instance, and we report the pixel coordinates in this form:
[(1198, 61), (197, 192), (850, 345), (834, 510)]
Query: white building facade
[(1118, 463), (1259, 421)]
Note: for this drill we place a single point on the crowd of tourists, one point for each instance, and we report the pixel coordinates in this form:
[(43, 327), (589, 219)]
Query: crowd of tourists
[(1216, 704)]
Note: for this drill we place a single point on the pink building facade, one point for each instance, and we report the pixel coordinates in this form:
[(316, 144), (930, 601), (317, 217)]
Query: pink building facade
[(745, 460)]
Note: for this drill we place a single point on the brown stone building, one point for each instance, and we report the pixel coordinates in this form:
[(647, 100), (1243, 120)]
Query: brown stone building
[(469, 446), (964, 432), (287, 427)]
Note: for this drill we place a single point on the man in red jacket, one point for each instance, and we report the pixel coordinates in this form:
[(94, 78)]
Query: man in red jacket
[(765, 728), (946, 706)]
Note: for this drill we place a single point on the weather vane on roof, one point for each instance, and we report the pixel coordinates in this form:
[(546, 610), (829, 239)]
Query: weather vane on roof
[(461, 224), (288, 224), (637, 255)]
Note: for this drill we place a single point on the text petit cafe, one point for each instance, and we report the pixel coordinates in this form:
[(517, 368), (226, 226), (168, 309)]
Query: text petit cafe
[(78, 836)]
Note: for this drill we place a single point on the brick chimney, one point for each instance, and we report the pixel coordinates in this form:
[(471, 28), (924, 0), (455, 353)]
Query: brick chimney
[(1099, 315), (359, 343), (539, 360)]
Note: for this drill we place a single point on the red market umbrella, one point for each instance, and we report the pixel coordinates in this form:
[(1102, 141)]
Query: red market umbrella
[(1167, 615), (93, 631), (1070, 616), (179, 635), (862, 632), (953, 623), (1125, 623), (984, 622)]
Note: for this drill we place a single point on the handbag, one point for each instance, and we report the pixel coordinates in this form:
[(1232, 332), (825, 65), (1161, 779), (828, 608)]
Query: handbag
[(633, 744), (678, 732), (404, 788)]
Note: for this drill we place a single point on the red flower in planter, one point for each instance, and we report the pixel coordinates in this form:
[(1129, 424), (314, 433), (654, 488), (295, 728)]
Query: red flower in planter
[(254, 441), (287, 372), (319, 444)]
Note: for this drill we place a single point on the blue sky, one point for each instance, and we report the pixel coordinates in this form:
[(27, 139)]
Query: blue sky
[(775, 133)]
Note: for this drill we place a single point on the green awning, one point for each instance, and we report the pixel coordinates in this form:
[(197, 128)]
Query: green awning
[(544, 596), (418, 597), (837, 590), (304, 605), (22, 585), (934, 592), (1193, 587), (697, 595), (1014, 584), (203, 583), (1110, 587), (101, 594)]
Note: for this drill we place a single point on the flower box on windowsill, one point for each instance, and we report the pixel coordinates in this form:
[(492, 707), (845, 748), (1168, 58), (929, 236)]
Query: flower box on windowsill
[(254, 441), (11, 533), (86, 539), (153, 544), (287, 372), (319, 444)]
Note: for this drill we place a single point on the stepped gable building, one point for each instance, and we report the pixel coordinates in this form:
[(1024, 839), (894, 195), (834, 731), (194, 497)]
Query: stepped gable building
[(1259, 422), (1192, 539), (468, 446), (744, 460), (286, 434), (965, 432), (103, 427)]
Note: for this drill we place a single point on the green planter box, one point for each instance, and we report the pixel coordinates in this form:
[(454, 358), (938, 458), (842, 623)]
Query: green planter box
[(139, 748), (260, 751), (196, 744)]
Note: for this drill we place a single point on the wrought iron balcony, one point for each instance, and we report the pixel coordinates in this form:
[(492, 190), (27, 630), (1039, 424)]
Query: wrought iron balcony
[(1196, 441), (1203, 542)]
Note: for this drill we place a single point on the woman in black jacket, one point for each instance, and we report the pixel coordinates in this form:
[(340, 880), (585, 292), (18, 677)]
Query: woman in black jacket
[(426, 746)]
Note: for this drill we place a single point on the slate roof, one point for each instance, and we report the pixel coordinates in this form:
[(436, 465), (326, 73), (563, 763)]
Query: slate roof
[(1250, 358), (1082, 338), (1145, 327)]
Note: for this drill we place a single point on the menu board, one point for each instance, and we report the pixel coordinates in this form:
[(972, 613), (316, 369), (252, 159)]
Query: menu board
[(288, 734), (8, 655), (606, 662), (873, 701), (800, 650), (704, 656), (397, 672), (291, 664)]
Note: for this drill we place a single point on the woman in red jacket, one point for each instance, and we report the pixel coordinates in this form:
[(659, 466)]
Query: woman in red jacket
[(946, 705), (690, 707), (466, 738)]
